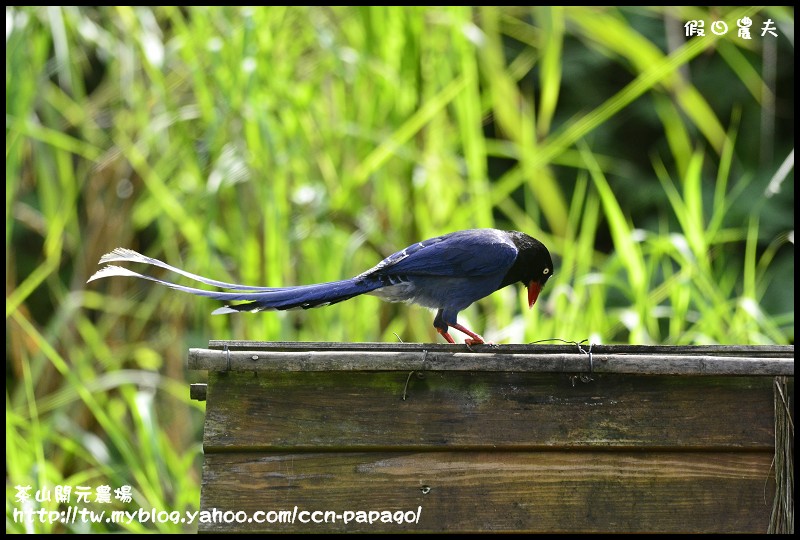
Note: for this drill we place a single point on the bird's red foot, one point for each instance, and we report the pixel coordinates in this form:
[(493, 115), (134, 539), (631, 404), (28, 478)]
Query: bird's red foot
[(445, 335), (474, 339), (470, 341)]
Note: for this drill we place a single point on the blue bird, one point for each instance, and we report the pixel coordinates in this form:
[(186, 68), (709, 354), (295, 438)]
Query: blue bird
[(446, 273)]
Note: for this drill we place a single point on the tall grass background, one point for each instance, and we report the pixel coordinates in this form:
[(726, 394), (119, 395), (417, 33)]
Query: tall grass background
[(293, 145)]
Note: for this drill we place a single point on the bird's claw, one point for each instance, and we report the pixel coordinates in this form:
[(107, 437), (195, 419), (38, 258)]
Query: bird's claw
[(469, 342)]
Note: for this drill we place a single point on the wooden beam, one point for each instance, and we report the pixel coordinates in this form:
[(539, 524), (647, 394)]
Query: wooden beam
[(555, 492), (256, 359), (343, 411), (508, 438)]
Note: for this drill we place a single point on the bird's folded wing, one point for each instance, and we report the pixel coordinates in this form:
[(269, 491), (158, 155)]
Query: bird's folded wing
[(450, 258)]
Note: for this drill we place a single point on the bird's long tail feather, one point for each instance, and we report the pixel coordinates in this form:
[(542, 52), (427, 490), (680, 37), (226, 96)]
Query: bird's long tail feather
[(256, 298), (128, 255)]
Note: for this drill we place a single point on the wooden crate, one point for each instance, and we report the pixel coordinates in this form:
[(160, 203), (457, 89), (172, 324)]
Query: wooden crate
[(492, 438)]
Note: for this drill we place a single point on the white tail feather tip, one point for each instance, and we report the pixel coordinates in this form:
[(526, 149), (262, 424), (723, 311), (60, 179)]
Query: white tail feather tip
[(122, 254), (109, 271)]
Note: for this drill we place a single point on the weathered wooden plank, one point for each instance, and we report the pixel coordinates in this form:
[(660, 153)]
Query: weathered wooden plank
[(445, 410), (754, 351), (497, 491), (507, 438), (572, 362)]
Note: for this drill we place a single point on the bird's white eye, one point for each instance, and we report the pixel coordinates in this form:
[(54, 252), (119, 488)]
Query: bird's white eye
[(546, 271)]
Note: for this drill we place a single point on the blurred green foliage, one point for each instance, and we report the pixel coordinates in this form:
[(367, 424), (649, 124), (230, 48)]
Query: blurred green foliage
[(292, 145)]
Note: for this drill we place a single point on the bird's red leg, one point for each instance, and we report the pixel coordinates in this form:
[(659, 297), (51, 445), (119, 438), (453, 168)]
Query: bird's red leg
[(475, 339), (445, 335), (441, 326)]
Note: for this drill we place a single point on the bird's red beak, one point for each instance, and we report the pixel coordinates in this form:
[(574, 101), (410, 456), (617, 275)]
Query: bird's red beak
[(534, 288)]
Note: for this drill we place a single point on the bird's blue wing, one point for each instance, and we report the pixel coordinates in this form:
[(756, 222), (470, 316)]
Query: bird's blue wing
[(466, 254)]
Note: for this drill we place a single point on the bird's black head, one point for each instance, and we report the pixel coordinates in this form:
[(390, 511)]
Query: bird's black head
[(532, 267)]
